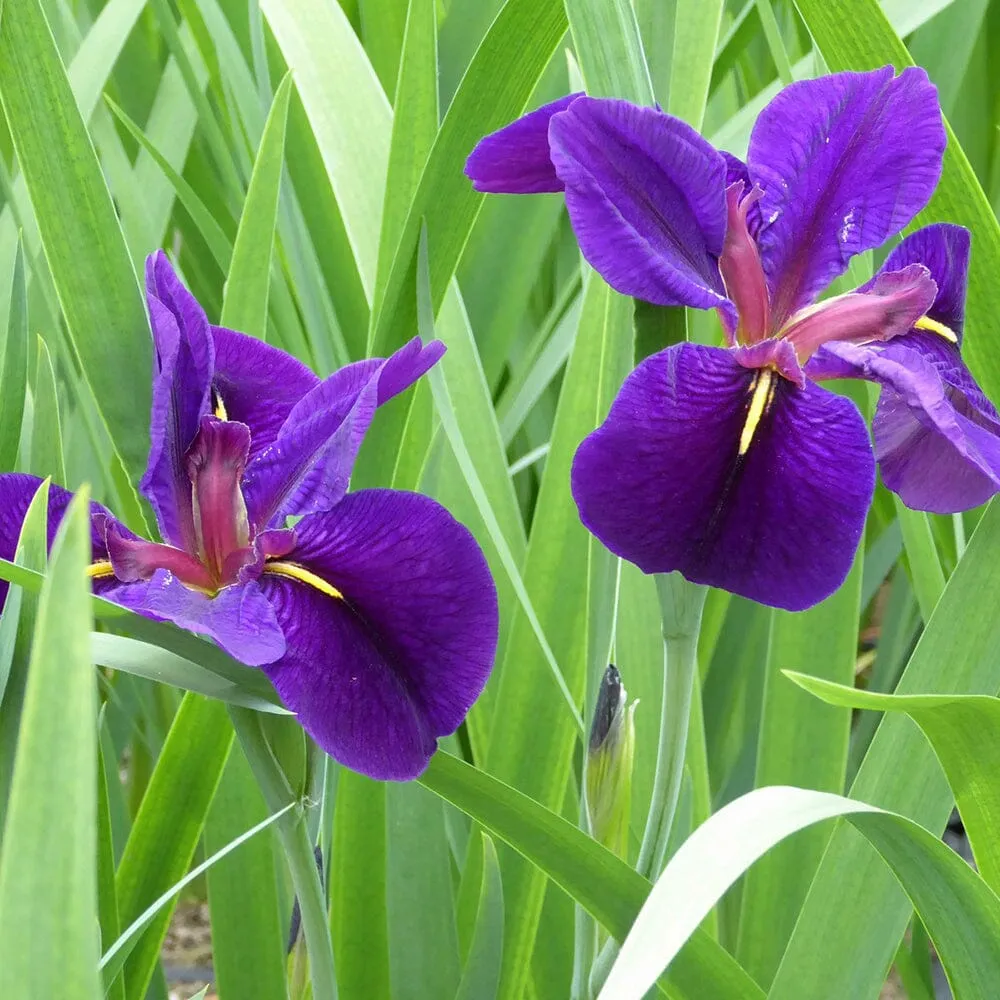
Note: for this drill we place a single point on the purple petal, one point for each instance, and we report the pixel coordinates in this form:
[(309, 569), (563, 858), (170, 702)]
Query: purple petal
[(674, 480), (377, 676), (646, 195), (937, 436), (183, 362), (16, 493), (845, 162), (944, 250), (515, 159), (308, 467), (257, 384), (239, 618)]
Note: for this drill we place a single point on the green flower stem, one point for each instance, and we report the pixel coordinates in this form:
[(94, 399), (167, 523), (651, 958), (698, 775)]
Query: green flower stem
[(681, 604), (298, 851)]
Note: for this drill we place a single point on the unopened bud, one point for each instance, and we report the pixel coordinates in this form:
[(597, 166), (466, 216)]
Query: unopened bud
[(609, 764)]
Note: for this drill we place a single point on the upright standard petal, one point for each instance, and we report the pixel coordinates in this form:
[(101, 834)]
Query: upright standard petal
[(308, 467), (239, 618), (390, 615), (256, 384), (937, 436), (845, 162), (16, 493), (647, 199), (737, 479), (183, 362), (516, 159)]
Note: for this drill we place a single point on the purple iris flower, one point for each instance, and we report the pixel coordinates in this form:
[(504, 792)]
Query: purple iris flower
[(732, 465), (375, 616)]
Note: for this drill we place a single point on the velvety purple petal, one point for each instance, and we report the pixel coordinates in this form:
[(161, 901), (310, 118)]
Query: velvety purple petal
[(937, 436), (647, 198), (377, 676), (16, 493), (239, 618), (308, 467), (515, 159), (675, 480), (183, 361), (845, 162), (943, 249), (257, 384)]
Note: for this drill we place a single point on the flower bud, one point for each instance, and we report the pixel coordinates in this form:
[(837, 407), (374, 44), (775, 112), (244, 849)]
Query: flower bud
[(609, 764)]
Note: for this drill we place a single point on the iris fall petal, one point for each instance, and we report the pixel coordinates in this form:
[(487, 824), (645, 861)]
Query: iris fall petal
[(16, 493), (239, 618), (663, 484), (378, 674)]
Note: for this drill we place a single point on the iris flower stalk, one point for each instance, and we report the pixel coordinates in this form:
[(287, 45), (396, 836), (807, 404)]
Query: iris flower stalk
[(733, 465), (373, 613)]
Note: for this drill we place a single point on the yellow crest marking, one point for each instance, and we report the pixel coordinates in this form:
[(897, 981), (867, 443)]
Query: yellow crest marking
[(926, 323), (296, 572), (218, 407), (100, 568), (762, 392)]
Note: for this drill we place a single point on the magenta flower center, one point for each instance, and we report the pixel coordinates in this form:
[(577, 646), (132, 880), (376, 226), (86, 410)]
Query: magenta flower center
[(214, 463), (893, 305)]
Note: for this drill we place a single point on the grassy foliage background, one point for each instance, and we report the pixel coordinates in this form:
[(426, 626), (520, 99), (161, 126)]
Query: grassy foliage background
[(289, 154)]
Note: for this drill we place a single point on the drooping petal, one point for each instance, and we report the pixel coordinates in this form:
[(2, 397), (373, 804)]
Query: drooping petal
[(845, 162), (937, 436), (308, 467), (183, 361), (239, 618), (738, 479), (892, 302), (943, 249), (646, 196), (257, 384), (16, 493), (378, 674), (515, 159)]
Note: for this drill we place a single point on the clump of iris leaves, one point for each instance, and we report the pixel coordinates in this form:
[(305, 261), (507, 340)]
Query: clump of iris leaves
[(588, 593)]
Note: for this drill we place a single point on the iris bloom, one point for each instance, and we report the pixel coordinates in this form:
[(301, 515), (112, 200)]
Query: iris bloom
[(375, 616), (732, 464)]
